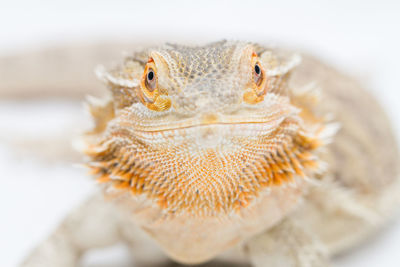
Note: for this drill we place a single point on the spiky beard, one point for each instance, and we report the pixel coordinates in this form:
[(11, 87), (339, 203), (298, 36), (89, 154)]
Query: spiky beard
[(181, 175)]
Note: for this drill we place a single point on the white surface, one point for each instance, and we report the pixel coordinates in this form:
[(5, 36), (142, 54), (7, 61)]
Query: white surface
[(361, 37)]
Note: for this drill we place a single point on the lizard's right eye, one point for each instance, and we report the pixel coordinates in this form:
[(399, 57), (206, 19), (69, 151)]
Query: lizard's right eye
[(149, 93)]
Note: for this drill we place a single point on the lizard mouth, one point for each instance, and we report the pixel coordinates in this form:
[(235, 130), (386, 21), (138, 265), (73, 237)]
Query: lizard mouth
[(201, 136), (195, 125), (259, 118)]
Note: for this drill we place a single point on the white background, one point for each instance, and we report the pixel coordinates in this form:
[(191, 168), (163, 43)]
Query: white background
[(360, 37)]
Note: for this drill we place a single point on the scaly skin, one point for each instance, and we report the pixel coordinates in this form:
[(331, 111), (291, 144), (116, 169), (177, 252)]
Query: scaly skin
[(228, 147)]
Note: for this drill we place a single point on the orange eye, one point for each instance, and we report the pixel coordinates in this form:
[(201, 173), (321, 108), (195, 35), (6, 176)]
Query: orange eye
[(151, 82), (258, 87), (258, 74), (149, 93)]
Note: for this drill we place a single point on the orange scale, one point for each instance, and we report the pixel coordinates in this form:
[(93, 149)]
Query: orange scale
[(95, 170), (121, 185), (304, 155), (275, 168), (104, 178), (310, 164)]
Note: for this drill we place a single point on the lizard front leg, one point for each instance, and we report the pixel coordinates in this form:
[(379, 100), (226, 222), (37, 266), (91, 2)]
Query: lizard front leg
[(288, 244), (94, 224)]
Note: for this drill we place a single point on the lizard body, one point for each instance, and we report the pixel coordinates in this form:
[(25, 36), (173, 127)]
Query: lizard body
[(228, 146)]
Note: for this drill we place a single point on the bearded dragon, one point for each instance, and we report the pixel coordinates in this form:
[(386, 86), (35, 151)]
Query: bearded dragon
[(230, 150)]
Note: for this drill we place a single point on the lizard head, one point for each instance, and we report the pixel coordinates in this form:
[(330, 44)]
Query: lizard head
[(202, 130)]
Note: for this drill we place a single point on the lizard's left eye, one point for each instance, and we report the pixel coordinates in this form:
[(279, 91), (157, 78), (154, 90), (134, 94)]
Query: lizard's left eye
[(258, 74), (151, 82), (257, 89)]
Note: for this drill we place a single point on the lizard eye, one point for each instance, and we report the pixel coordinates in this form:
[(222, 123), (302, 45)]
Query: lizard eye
[(258, 74), (151, 82), (149, 93), (258, 89)]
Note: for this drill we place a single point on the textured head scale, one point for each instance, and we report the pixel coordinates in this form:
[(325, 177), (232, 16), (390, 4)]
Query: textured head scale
[(200, 78), (202, 130)]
